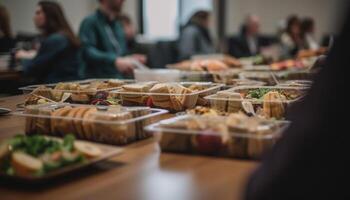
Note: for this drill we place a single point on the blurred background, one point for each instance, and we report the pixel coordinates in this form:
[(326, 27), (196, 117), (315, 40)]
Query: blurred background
[(156, 25)]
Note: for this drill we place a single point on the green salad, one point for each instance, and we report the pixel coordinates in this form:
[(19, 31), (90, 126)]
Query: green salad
[(37, 155), (259, 93)]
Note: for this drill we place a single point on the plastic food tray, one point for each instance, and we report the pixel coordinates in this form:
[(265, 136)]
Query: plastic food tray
[(109, 125), (296, 83), (107, 152), (267, 76), (30, 88), (237, 144), (84, 96), (229, 101), (188, 101)]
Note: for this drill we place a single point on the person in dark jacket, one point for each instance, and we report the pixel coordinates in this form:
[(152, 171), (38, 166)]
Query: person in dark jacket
[(58, 56), (104, 43), (7, 41), (249, 42), (195, 38), (311, 161)]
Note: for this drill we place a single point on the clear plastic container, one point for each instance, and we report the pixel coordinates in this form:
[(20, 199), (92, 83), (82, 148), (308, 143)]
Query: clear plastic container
[(214, 136), (174, 102), (83, 91), (296, 83), (110, 125), (267, 76), (161, 75), (235, 100)]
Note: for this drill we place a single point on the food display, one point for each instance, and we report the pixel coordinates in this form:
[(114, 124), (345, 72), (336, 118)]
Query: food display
[(170, 96), (207, 63), (37, 156), (265, 102), (95, 92), (110, 125), (235, 136)]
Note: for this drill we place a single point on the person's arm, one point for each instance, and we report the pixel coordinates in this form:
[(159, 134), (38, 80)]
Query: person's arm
[(89, 41), (48, 51)]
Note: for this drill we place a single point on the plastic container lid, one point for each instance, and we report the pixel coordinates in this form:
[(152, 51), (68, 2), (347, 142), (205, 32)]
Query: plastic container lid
[(236, 90), (101, 111), (86, 82), (211, 86), (279, 126)]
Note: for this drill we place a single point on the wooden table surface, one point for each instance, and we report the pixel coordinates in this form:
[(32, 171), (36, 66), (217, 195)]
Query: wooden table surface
[(142, 172)]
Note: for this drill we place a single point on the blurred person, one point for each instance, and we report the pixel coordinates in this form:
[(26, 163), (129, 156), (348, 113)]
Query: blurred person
[(307, 34), (58, 56), (195, 38), (129, 31), (250, 41), (311, 159), (130, 37), (7, 41), (104, 43), (291, 39)]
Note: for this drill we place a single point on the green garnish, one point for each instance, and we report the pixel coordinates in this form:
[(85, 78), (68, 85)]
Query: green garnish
[(53, 153), (258, 93)]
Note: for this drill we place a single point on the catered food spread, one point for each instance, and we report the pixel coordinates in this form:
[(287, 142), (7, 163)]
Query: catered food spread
[(110, 125), (235, 136), (35, 157), (171, 96), (207, 63), (87, 92), (265, 102)]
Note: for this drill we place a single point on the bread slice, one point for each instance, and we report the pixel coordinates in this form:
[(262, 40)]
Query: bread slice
[(43, 124), (70, 125), (138, 87), (87, 124), (87, 149), (78, 122), (58, 125), (24, 164)]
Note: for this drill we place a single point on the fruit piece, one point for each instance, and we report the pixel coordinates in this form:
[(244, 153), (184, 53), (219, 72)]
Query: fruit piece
[(208, 143), (101, 95), (25, 164), (90, 151), (150, 102)]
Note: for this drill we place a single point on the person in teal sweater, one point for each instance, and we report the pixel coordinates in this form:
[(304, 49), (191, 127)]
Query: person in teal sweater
[(58, 56), (103, 43)]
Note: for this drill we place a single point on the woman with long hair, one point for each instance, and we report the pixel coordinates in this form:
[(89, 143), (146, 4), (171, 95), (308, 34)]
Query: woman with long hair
[(291, 39), (58, 55), (6, 38), (195, 37)]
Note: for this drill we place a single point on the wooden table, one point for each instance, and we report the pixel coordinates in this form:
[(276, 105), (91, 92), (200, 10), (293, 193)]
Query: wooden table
[(142, 172)]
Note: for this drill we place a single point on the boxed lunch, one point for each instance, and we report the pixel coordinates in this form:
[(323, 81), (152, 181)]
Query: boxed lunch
[(171, 96), (263, 101), (92, 91), (38, 158), (234, 136), (111, 125)]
